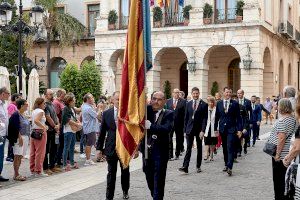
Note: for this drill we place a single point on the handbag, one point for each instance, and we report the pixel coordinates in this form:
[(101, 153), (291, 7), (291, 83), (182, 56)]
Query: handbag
[(36, 134), (270, 148), (75, 128)]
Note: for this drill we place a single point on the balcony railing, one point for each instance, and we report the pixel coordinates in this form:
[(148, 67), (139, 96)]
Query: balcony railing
[(290, 29), (174, 19), (225, 15), (297, 36), (124, 22)]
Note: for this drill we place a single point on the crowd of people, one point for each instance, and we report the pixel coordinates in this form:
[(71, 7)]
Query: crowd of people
[(226, 119)]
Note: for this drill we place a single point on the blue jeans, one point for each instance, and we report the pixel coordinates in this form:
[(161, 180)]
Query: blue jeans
[(69, 145), (2, 155), (82, 138)]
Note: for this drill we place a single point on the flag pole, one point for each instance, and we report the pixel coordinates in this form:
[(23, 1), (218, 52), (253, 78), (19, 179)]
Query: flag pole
[(145, 71)]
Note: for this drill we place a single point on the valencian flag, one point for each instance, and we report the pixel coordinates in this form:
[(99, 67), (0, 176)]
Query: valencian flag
[(137, 60)]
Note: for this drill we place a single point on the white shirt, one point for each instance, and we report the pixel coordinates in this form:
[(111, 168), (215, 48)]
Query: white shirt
[(157, 114), (33, 116), (226, 106), (67, 127), (3, 119), (242, 101)]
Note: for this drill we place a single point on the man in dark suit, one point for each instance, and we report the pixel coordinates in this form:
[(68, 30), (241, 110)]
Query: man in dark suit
[(177, 105), (159, 124), (108, 134), (228, 124), (255, 118), (194, 126), (247, 104)]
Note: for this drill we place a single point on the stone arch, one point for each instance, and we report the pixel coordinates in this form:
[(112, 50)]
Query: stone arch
[(57, 64), (268, 74), (88, 58), (222, 63), (115, 64), (281, 77), (169, 61)]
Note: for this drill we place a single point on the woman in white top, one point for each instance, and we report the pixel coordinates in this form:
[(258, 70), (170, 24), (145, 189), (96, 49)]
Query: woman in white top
[(210, 140), (38, 146)]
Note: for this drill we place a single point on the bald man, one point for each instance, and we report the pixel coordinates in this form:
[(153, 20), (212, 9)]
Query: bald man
[(177, 105)]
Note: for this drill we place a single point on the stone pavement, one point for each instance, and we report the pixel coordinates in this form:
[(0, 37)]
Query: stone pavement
[(252, 179)]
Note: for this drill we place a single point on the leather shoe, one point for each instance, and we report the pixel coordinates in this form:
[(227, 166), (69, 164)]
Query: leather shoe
[(245, 151), (239, 155), (183, 169), (125, 195), (199, 170), (225, 169), (2, 179), (229, 172)]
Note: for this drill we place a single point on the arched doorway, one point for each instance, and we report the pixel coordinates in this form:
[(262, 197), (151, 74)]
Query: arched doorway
[(88, 58), (281, 77), (184, 86), (268, 76), (234, 75), (56, 67), (222, 62), (115, 64), (172, 62)]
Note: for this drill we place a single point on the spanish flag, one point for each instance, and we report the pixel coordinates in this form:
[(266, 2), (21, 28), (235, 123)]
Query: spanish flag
[(137, 60)]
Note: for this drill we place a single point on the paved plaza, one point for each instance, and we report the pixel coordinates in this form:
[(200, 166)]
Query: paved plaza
[(252, 179)]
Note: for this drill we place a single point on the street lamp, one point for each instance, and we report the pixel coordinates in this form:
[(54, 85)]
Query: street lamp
[(20, 28), (34, 65), (191, 66), (248, 59)]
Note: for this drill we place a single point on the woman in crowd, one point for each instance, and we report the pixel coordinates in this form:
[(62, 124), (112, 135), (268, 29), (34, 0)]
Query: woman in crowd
[(294, 153), (70, 126), (210, 139), (19, 130), (37, 144), (281, 134)]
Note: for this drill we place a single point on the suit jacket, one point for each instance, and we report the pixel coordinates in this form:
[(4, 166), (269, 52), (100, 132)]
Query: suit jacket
[(198, 124), (162, 130), (247, 104), (179, 112), (107, 133), (256, 114), (230, 121), (245, 117)]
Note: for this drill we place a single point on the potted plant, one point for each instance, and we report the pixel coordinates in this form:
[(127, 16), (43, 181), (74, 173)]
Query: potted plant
[(239, 10), (112, 19), (207, 13), (157, 16), (186, 14)]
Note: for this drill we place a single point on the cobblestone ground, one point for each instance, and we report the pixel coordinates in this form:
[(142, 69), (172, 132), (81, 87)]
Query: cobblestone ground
[(251, 180)]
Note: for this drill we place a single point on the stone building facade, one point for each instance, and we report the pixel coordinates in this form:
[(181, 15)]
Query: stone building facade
[(199, 54)]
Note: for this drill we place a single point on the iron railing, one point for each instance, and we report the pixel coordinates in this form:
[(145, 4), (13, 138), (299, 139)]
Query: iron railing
[(173, 19), (225, 15), (297, 36), (124, 22), (290, 28)]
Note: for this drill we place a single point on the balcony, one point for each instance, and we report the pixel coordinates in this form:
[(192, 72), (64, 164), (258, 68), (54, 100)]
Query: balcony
[(225, 16), (286, 29), (174, 19), (123, 22)]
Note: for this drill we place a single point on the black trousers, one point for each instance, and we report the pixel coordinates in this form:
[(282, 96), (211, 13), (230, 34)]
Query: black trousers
[(112, 165), (60, 148), (228, 145), (279, 171), (179, 141), (188, 153), (10, 151), (51, 150), (155, 169)]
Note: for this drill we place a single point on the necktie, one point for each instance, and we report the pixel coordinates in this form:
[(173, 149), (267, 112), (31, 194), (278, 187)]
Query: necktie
[(226, 105), (174, 104), (253, 106), (210, 111), (195, 104)]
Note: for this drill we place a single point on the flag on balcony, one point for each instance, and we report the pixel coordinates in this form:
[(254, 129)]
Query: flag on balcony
[(181, 3), (132, 104)]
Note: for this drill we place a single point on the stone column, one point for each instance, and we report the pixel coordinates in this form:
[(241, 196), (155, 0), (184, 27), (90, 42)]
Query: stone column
[(252, 81), (153, 80), (196, 14), (199, 79)]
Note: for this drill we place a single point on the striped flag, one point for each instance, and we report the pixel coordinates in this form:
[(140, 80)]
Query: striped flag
[(137, 60)]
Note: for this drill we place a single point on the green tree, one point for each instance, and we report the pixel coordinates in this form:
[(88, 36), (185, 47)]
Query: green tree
[(167, 89), (59, 25), (80, 82), (215, 88)]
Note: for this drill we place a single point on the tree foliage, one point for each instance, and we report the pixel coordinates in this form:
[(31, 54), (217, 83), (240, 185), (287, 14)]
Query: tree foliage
[(167, 89), (82, 81), (215, 88)]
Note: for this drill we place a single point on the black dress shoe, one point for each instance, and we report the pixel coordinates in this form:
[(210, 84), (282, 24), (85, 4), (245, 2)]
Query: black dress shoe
[(183, 169), (229, 172), (225, 169), (258, 138), (245, 151), (2, 179), (199, 170), (125, 195), (239, 154), (248, 145)]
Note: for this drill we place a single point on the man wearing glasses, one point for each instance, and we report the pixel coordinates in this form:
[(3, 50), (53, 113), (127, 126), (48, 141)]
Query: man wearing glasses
[(4, 96)]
